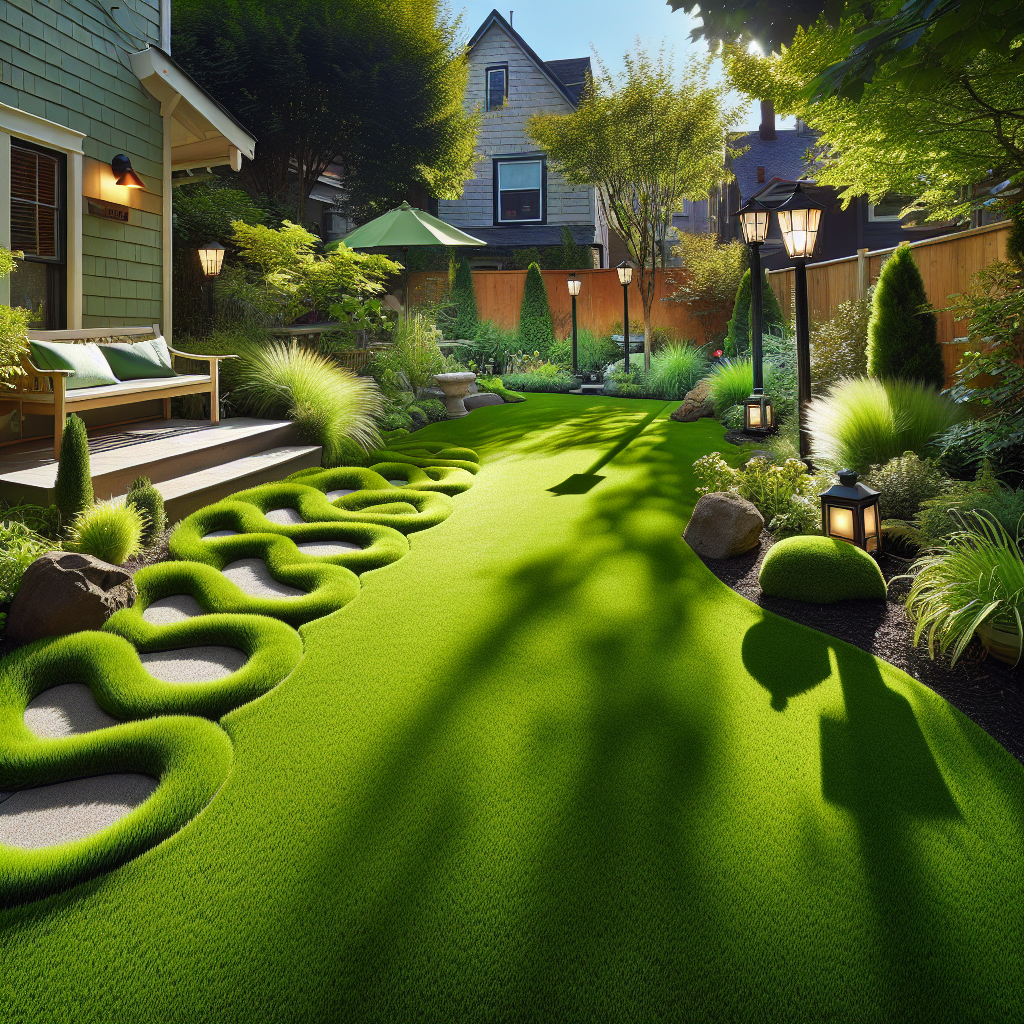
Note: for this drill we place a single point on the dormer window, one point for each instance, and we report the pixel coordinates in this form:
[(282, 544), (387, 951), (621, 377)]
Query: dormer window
[(497, 87)]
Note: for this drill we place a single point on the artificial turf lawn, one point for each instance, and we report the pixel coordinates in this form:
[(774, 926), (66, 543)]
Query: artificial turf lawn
[(545, 766)]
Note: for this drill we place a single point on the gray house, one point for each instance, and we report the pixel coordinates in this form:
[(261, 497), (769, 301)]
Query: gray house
[(516, 200)]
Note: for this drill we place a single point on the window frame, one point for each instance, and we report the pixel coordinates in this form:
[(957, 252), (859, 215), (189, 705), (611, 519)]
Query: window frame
[(537, 158), (503, 68), (877, 218)]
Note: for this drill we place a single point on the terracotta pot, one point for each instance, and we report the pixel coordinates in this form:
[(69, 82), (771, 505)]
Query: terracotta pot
[(1003, 643)]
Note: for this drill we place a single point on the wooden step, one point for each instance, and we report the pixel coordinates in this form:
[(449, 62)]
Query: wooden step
[(185, 494), (163, 450)]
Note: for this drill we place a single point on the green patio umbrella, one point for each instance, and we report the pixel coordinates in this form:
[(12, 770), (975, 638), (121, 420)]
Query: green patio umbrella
[(404, 227)]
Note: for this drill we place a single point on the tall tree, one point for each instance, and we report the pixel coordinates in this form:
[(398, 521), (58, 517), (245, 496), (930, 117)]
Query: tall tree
[(375, 84), (647, 140)]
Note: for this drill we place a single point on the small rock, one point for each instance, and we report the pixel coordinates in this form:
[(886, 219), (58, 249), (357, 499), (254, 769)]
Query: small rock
[(472, 402), (64, 592), (696, 405), (723, 525)]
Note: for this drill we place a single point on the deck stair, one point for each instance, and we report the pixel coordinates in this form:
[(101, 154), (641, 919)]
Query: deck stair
[(191, 463)]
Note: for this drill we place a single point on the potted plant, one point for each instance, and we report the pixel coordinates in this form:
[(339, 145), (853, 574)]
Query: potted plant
[(971, 583)]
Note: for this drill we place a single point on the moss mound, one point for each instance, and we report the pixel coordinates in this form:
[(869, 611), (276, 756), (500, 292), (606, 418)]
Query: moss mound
[(820, 569)]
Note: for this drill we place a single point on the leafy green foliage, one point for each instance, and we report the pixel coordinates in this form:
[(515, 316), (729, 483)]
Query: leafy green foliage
[(412, 360), (72, 492), (593, 352), (14, 322), (108, 530), (535, 330), (558, 382), (150, 502), (491, 345), (205, 211), (712, 274), (675, 370), (903, 339), (737, 332), (976, 576), (646, 141), (732, 380), (326, 402), (464, 300), (839, 347), (19, 548), (863, 422), (905, 483), (496, 386), (822, 570)]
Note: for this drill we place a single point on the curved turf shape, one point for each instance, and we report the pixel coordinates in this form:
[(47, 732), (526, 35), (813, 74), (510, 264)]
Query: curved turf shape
[(189, 755), (820, 569)]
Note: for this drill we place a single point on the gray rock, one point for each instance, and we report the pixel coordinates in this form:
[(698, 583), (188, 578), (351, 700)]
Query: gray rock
[(696, 405), (64, 592), (476, 401), (723, 525)]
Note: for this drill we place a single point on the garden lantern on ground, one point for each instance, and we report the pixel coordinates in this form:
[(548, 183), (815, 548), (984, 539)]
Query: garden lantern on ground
[(800, 218), (849, 511), (625, 270), (574, 290), (758, 415)]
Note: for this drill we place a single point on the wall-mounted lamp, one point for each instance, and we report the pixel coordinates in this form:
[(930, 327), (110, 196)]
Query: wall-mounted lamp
[(123, 173)]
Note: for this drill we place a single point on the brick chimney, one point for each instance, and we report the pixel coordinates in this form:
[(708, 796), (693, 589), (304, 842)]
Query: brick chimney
[(766, 130)]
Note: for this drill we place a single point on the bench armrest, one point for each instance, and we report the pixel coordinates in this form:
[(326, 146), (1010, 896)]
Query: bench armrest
[(197, 355), (34, 370)]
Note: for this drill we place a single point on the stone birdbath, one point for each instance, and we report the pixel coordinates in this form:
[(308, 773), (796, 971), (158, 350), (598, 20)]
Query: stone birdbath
[(455, 387)]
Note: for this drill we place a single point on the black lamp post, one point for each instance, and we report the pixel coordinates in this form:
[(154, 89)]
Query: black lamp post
[(758, 415), (799, 218), (625, 270), (574, 290), (211, 256), (849, 512)]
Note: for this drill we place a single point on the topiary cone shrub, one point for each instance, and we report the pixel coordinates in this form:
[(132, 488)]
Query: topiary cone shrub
[(903, 330), (150, 502), (467, 318), (535, 331), (738, 328), (773, 320), (73, 492)]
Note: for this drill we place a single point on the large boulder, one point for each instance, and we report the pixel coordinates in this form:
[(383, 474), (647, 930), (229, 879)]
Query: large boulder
[(63, 592), (696, 405), (723, 525)]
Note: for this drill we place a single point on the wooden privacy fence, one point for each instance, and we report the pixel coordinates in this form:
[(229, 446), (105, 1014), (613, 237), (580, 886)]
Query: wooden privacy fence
[(947, 265), (499, 295)]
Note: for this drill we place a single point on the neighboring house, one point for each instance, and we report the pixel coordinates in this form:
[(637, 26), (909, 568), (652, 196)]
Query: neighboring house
[(517, 201), (80, 83), (777, 158)]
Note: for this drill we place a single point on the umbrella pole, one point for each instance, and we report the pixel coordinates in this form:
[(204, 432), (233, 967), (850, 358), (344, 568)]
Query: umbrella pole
[(405, 271)]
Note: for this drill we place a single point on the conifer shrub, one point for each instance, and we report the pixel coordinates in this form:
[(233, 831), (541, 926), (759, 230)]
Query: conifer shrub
[(150, 502), (73, 491), (738, 329), (903, 330), (464, 301), (535, 330)]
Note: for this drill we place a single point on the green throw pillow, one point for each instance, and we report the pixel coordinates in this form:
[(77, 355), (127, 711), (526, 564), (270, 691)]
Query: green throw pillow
[(86, 362), (142, 360)]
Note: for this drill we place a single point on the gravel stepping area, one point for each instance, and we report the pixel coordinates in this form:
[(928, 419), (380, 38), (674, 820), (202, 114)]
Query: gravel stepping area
[(335, 495), (66, 710), (176, 608), (398, 483), (327, 548), (68, 811), (284, 516), (254, 577), (193, 664), (220, 533)]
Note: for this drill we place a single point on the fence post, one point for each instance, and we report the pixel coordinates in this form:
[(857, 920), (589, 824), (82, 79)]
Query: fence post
[(863, 273)]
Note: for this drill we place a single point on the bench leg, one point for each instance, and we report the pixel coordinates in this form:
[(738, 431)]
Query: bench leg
[(167, 408), (59, 416), (215, 391)]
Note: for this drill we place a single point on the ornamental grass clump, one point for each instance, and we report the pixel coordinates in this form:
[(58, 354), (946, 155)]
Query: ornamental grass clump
[(863, 421), (109, 531), (326, 402), (976, 576), (904, 484)]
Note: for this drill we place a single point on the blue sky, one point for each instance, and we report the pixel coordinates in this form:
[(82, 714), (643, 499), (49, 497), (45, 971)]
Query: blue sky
[(558, 29)]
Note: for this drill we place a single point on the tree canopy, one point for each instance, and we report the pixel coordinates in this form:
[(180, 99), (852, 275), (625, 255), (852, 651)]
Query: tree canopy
[(647, 140), (375, 84)]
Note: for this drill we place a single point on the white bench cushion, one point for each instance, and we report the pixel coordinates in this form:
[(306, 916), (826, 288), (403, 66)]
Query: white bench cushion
[(147, 387)]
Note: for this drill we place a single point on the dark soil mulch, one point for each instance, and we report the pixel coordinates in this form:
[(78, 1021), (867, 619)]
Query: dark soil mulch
[(156, 552), (987, 691)]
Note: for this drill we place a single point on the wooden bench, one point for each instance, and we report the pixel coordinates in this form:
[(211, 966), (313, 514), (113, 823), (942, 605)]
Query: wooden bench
[(45, 392)]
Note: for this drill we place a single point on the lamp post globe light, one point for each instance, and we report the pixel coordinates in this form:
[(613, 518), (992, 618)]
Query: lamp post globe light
[(849, 511), (800, 219), (574, 290), (625, 270), (758, 415)]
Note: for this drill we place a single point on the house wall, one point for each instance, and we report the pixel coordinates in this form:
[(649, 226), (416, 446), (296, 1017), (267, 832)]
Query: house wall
[(65, 62), (503, 133)]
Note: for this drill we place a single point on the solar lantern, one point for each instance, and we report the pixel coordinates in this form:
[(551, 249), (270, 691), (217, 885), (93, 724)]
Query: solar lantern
[(625, 271), (574, 290), (758, 414), (211, 256), (849, 511)]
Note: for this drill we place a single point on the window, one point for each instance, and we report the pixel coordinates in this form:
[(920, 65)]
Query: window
[(519, 190), (889, 207), (37, 229), (497, 87)]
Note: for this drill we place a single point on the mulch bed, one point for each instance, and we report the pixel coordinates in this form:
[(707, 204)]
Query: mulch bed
[(987, 691)]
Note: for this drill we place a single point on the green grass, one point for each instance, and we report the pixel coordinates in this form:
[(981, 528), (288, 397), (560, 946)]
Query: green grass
[(535, 771)]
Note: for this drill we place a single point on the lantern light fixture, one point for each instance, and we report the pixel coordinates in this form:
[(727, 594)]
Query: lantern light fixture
[(849, 511), (799, 219), (754, 220), (574, 290), (625, 270), (211, 256), (123, 173), (758, 414), (574, 285)]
